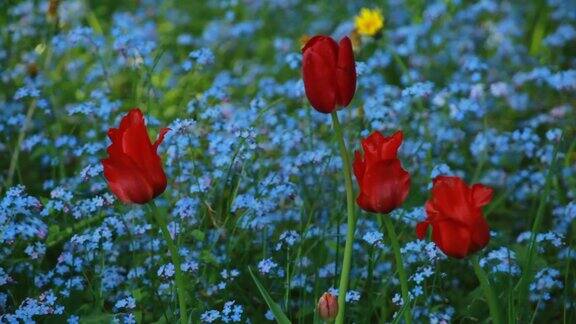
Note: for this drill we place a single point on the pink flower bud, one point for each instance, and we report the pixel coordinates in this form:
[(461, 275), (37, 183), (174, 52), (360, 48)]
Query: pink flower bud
[(328, 307)]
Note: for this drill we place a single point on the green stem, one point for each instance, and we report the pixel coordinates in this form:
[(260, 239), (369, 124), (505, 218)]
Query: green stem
[(489, 293), (399, 267), (527, 270), (287, 288), (17, 147), (347, 260), (175, 255), (539, 30), (65, 234)]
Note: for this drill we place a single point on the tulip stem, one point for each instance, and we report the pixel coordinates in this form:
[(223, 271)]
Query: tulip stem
[(347, 260), (489, 293), (175, 255), (399, 267)]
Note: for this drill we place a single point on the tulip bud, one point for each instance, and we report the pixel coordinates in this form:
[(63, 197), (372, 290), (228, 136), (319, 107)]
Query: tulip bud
[(328, 72), (328, 307)]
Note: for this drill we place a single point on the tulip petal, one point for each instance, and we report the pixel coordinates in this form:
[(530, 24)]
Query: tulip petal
[(379, 147), (323, 44), (431, 210), (450, 196), (318, 75), (327, 48), (126, 181), (136, 144), (133, 117), (421, 229), (453, 239), (365, 203), (372, 147), (389, 149), (138, 147), (345, 72), (160, 138), (359, 167), (319, 72), (481, 195), (385, 186), (480, 234)]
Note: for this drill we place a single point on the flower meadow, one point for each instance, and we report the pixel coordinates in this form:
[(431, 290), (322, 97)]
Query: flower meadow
[(295, 161)]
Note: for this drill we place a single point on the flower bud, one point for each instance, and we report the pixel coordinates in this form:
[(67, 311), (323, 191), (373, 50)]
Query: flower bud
[(329, 73), (328, 307)]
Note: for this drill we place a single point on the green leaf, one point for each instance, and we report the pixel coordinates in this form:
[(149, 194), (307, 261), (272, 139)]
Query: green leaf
[(161, 320), (97, 318), (207, 257), (198, 235), (274, 307), (138, 315), (400, 314), (53, 233)]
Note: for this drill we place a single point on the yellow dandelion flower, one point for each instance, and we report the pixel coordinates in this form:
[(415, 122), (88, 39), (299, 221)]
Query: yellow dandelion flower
[(369, 22)]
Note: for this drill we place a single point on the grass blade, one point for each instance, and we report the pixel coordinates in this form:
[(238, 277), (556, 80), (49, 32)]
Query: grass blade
[(274, 307), (528, 271)]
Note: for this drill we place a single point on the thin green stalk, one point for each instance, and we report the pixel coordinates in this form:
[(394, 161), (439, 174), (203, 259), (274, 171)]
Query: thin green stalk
[(567, 284), (17, 147), (527, 270), (66, 233), (539, 30), (347, 260), (175, 255), (399, 267), (287, 288), (489, 293)]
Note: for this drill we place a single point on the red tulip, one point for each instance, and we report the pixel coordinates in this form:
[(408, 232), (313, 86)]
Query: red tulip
[(329, 73), (455, 214), (134, 169), (384, 184)]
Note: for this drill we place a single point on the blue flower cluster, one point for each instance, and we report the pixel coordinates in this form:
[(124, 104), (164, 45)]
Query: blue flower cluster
[(483, 90)]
